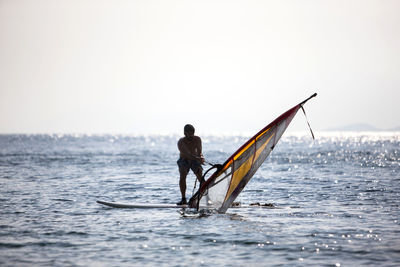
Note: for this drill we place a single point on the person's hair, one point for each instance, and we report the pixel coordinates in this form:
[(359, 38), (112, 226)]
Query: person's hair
[(188, 129)]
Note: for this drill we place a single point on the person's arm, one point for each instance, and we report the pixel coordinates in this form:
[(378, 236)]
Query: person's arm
[(199, 150)]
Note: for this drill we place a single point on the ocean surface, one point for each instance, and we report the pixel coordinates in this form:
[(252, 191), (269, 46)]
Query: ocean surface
[(336, 203)]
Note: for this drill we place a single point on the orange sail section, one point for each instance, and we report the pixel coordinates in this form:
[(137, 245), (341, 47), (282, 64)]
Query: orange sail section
[(223, 186)]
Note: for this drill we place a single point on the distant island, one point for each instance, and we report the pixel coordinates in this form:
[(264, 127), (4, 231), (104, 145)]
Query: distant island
[(361, 127)]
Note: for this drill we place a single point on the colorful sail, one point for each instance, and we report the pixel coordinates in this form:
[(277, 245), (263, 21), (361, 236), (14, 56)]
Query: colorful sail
[(224, 185)]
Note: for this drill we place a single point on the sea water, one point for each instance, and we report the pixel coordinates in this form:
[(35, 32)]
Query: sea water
[(337, 203)]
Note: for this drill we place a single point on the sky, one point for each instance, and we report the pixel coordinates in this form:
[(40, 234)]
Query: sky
[(151, 66)]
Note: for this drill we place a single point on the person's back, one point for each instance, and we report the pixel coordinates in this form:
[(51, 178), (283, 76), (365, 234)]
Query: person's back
[(191, 158), (190, 147)]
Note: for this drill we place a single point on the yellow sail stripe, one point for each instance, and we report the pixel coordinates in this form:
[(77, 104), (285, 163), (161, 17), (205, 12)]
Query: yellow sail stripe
[(249, 144), (261, 134), (227, 166), (261, 149), (244, 169), (243, 150)]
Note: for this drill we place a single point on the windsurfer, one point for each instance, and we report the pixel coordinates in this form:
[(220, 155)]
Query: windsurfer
[(191, 158)]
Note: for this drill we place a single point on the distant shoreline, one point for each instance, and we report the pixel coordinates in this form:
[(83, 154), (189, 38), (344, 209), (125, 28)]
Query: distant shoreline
[(361, 127), (289, 133)]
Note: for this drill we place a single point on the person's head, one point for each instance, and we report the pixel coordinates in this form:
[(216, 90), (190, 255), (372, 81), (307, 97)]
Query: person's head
[(188, 130)]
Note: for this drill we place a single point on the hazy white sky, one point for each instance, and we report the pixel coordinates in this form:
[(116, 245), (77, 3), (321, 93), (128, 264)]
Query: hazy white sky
[(92, 66)]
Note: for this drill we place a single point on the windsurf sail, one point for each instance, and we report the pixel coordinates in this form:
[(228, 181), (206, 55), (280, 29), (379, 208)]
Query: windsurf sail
[(226, 183)]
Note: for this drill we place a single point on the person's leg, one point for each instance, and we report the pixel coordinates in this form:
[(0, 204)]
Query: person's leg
[(182, 184), (199, 175)]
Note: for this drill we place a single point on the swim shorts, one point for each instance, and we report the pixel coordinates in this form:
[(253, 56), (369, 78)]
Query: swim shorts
[(187, 164)]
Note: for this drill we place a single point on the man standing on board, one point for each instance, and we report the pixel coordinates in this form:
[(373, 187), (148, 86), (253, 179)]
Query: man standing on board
[(190, 158)]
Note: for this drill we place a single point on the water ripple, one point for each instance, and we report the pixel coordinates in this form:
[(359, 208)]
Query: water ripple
[(337, 202)]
